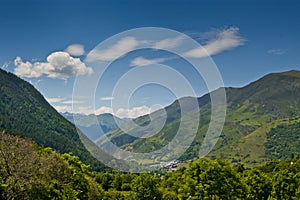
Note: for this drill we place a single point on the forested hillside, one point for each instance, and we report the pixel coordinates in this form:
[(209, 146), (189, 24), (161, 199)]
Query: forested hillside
[(25, 112)]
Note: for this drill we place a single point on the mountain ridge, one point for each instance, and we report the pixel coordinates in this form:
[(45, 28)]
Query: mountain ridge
[(94, 126), (273, 97)]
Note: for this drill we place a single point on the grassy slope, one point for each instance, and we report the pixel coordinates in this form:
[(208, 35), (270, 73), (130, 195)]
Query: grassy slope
[(252, 111), (250, 150)]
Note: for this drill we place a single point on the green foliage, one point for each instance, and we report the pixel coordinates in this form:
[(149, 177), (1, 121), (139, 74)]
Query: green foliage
[(259, 184), (25, 112), (286, 179), (28, 171), (2, 187), (145, 187), (205, 179), (105, 179), (285, 184), (283, 142)]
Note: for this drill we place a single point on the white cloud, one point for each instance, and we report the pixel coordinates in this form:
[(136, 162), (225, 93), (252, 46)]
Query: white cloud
[(115, 51), (71, 102), (106, 98), (223, 40), (75, 49), (133, 112), (54, 100), (59, 65), (87, 110), (61, 101), (103, 109), (140, 61), (83, 110), (121, 112), (168, 43), (277, 52), (63, 108), (216, 42)]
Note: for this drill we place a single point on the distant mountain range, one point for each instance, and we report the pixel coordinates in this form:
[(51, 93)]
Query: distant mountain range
[(94, 126), (25, 112), (262, 123)]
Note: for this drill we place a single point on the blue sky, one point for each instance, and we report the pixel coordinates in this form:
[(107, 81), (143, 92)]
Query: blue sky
[(246, 40)]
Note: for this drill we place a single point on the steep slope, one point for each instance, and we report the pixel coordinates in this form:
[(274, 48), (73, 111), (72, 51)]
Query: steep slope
[(272, 98), (94, 126), (278, 139), (25, 112), (253, 111)]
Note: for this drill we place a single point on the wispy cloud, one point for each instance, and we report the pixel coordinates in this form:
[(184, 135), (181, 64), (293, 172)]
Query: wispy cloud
[(214, 42), (141, 61), (37, 82), (277, 52), (217, 42), (5, 65), (60, 101), (58, 65), (54, 100), (71, 102), (62, 104), (75, 50), (106, 98), (115, 51), (168, 43), (127, 44)]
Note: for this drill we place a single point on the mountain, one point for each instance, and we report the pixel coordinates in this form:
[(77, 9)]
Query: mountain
[(24, 112), (262, 123), (94, 126)]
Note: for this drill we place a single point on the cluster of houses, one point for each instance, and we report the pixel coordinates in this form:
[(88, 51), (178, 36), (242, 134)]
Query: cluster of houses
[(170, 165)]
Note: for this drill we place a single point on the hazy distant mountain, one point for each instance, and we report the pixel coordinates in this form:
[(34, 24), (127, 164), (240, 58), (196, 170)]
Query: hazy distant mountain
[(94, 126), (25, 112), (262, 123)]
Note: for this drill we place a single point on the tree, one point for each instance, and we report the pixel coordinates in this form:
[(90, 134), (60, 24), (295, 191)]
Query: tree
[(171, 183), (206, 179), (145, 187), (285, 184), (19, 168), (259, 184), (105, 179), (31, 172)]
